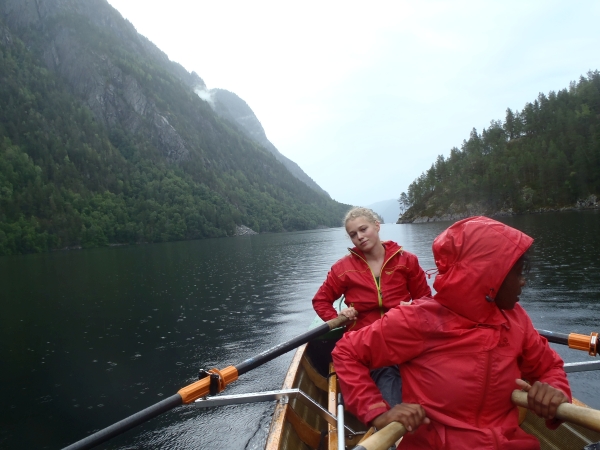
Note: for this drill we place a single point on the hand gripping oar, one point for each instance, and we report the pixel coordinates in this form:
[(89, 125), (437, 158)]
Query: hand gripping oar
[(579, 415), (216, 380), (573, 340), (384, 438), (586, 417)]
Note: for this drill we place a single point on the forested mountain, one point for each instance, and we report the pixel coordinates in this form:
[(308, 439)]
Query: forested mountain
[(233, 108), (104, 140), (546, 156)]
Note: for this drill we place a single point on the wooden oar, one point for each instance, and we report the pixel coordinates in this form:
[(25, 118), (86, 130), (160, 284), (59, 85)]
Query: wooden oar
[(573, 340), (384, 438), (586, 417), (214, 381), (579, 415)]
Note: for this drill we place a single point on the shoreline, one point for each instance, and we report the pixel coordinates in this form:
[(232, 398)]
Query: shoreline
[(453, 217)]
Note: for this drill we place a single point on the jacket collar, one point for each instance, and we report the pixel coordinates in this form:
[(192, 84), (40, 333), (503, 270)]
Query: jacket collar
[(390, 249)]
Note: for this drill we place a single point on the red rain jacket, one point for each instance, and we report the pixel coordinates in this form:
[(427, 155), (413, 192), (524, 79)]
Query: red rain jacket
[(401, 280), (459, 354)]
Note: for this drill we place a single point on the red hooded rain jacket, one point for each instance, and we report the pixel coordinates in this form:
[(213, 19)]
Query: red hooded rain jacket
[(459, 354)]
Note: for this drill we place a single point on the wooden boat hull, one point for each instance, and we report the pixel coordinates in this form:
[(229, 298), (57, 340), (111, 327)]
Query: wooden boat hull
[(295, 426)]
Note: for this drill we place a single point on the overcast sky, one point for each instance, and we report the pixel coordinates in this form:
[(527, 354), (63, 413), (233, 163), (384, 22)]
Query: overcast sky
[(365, 95)]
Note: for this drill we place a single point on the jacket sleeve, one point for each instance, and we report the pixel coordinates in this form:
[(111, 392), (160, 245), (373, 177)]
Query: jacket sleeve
[(417, 282), (329, 292), (384, 343), (541, 363)]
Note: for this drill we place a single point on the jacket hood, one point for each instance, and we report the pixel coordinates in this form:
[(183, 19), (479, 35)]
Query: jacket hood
[(473, 257)]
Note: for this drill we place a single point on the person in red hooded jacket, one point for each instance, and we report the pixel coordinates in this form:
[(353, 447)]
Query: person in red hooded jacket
[(374, 277), (462, 352)]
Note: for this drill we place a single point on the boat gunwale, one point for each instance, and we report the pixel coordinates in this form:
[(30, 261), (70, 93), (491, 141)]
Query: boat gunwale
[(279, 415)]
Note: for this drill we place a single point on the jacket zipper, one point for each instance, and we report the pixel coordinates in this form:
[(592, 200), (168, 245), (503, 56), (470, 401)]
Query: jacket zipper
[(484, 394), (377, 285), (487, 364), (494, 435)]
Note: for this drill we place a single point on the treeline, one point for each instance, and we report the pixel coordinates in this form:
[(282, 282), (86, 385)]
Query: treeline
[(545, 156), (67, 179)]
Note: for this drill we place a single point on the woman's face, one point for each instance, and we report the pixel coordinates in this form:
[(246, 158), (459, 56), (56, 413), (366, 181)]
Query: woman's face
[(364, 234)]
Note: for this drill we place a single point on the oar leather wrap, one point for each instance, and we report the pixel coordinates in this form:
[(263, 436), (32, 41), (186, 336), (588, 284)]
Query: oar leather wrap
[(586, 343), (201, 388)]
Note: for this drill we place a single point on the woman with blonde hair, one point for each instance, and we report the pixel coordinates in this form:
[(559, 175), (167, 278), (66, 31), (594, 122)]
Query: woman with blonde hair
[(373, 278)]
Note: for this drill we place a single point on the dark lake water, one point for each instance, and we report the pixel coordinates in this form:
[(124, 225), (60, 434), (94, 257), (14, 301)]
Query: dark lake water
[(90, 337)]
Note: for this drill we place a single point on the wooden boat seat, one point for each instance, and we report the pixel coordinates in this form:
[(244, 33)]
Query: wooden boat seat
[(319, 380)]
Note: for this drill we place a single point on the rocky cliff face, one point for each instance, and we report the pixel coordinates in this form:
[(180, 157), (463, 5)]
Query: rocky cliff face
[(40, 14), (229, 106), (115, 97)]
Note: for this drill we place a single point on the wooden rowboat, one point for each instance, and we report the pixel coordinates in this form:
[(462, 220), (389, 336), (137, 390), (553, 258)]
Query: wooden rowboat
[(298, 423)]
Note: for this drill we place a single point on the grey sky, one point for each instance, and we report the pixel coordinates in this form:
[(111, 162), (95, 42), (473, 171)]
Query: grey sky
[(365, 95)]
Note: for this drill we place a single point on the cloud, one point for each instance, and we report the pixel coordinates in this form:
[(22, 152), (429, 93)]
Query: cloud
[(205, 95)]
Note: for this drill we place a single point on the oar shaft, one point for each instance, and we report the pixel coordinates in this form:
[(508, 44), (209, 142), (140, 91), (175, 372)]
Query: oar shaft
[(573, 340), (554, 337), (126, 424), (285, 347), (201, 388), (579, 415)]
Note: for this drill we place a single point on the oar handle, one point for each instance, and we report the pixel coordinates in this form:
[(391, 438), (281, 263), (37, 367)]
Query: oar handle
[(574, 340), (579, 415), (384, 438)]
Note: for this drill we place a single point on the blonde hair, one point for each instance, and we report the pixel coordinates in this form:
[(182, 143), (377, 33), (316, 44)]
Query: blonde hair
[(359, 211)]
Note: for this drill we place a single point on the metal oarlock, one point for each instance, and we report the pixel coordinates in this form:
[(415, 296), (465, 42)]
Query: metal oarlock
[(214, 380)]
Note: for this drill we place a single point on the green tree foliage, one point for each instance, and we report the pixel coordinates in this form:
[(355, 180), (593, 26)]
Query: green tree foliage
[(67, 179), (545, 156), (403, 202)]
